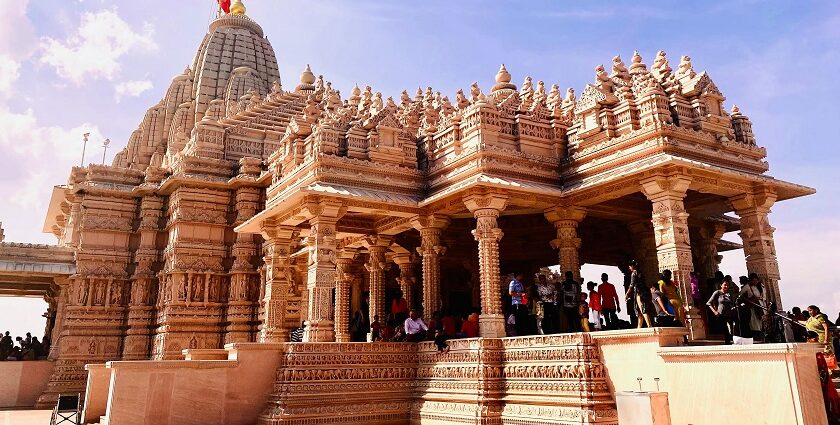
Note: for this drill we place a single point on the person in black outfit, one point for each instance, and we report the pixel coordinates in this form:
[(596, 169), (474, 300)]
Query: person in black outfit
[(570, 293)]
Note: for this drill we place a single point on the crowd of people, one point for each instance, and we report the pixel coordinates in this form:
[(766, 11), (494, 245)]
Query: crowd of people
[(28, 348), (551, 303)]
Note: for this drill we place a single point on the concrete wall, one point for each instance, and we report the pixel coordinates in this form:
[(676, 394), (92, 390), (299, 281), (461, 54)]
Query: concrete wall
[(22, 382)]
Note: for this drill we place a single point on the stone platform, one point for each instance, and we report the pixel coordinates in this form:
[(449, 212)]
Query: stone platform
[(557, 379)]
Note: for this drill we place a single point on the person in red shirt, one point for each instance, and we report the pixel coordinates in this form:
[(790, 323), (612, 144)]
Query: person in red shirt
[(609, 302), (399, 307), (594, 305), (448, 325), (470, 326)]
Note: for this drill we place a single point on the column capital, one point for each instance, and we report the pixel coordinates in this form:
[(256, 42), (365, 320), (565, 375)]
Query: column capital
[(484, 201), (271, 231), (431, 221), (402, 259), (659, 187), (557, 215), (760, 201), (325, 209)]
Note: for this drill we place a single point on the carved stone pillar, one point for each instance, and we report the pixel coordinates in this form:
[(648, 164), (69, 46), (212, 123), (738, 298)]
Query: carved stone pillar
[(486, 209), (321, 272), (430, 228), (757, 236), (141, 299), (565, 220), (280, 241), (377, 246), (242, 298), (673, 248), (343, 281), (645, 247), (403, 261), (707, 251)]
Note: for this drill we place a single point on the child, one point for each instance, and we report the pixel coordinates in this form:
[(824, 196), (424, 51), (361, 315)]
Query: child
[(375, 329), (594, 305), (583, 311)]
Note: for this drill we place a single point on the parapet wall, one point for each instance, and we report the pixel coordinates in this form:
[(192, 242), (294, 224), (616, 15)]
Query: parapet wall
[(556, 379)]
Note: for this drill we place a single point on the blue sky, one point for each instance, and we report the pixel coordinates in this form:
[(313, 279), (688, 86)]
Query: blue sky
[(67, 67)]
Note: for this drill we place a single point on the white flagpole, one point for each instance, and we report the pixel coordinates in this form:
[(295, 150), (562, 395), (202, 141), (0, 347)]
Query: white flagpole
[(84, 146)]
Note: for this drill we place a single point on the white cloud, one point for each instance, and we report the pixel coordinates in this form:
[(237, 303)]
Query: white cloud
[(35, 158), (9, 73), (17, 34), (95, 50), (132, 88)]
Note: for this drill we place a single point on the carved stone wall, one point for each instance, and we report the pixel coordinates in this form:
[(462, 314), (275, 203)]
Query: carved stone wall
[(533, 380)]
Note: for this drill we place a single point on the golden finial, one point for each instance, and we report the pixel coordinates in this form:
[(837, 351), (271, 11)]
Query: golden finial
[(237, 8)]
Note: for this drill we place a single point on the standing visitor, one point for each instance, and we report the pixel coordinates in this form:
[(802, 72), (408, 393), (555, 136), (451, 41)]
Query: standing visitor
[(415, 328), (399, 307), (630, 303), (547, 310), (609, 302), (375, 329), (669, 289), (722, 305), (695, 288), (594, 305), (570, 291), (640, 293), (773, 326), (583, 313), (518, 302), (6, 346)]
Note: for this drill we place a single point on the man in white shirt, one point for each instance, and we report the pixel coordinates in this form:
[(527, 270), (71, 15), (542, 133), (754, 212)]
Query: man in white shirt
[(415, 328)]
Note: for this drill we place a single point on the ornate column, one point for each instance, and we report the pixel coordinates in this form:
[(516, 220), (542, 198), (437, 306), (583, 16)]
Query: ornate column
[(403, 261), (673, 248), (757, 236), (242, 299), (565, 220), (141, 299), (645, 247), (280, 241), (486, 209), (707, 251), (343, 281), (430, 228), (377, 246), (321, 271)]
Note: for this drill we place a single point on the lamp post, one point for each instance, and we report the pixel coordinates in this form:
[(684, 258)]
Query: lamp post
[(84, 146), (105, 144)]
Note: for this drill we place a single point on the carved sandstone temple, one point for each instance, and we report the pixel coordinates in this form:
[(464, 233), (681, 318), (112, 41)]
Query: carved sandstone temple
[(241, 208)]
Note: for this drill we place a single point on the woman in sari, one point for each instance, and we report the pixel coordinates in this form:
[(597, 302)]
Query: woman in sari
[(669, 289), (818, 324)]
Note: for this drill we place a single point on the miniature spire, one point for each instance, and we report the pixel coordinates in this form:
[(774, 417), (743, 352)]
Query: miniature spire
[(307, 77), (660, 66), (637, 67), (237, 8), (736, 110), (685, 68), (503, 80), (619, 70)]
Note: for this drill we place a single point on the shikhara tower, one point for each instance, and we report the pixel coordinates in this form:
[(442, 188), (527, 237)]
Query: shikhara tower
[(239, 208)]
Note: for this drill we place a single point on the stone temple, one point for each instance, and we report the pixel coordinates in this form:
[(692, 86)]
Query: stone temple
[(242, 207)]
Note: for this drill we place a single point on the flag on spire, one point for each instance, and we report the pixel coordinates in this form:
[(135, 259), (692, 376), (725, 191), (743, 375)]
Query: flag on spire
[(225, 5)]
